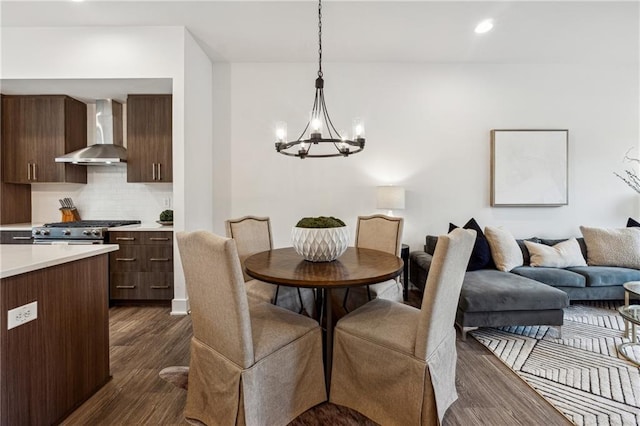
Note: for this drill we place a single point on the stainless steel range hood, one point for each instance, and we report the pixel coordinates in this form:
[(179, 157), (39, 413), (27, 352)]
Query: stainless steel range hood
[(108, 149)]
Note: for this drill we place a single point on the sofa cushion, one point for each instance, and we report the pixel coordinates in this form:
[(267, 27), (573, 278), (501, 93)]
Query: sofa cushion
[(560, 255), (600, 276), (612, 247), (481, 254), (552, 276), (490, 290), (525, 252), (632, 222), (504, 249), (430, 244)]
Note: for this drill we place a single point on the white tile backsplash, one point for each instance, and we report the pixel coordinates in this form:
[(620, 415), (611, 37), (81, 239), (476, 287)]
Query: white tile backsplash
[(107, 195)]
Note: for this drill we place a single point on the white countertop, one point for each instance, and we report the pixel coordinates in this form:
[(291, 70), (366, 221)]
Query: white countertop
[(19, 226), (21, 258), (145, 226)]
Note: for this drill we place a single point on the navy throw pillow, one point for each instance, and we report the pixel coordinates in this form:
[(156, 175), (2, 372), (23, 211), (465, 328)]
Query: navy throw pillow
[(481, 254), (631, 223)]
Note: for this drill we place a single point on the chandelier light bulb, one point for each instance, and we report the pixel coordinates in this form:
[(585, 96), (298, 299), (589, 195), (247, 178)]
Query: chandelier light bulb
[(484, 26), (358, 129), (281, 132)]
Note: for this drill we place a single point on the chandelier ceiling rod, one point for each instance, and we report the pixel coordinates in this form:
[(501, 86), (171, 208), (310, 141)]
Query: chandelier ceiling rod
[(343, 147)]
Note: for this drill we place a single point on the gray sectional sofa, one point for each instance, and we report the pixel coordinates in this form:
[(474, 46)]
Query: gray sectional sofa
[(527, 295)]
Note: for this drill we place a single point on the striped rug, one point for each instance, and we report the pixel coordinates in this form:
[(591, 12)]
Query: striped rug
[(580, 372)]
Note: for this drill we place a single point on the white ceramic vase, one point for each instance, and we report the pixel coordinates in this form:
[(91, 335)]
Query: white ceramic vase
[(320, 244)]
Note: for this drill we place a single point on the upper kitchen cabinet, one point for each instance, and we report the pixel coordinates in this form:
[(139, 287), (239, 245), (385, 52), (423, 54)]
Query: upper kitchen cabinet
[(149, 138), (35, 130)]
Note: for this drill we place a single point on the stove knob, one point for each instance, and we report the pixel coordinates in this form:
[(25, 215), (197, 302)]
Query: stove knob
[(66, 232), (96, 232), (86, 232), (45, 232), (36, 232)]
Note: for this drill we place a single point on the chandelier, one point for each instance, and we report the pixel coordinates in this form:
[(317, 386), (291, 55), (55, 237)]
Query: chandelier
[(318, 121)]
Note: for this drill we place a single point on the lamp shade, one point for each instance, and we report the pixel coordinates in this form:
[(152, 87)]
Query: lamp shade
[(390, 197)]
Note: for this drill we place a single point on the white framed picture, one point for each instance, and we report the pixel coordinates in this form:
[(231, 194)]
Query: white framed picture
[(529, 167)]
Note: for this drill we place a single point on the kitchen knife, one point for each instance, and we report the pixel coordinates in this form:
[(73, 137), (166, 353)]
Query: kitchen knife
[(71, 204), (61, 202)]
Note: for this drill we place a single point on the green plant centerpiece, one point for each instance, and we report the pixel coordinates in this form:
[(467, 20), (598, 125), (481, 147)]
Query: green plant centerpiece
[(166, 216), (320, 239)]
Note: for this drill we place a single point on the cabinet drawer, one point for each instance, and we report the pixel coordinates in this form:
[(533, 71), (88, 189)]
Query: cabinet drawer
[(158, 238), (124, 238), (16, 237), (124, 286), (156, 285), (127, 259), (158, 259)]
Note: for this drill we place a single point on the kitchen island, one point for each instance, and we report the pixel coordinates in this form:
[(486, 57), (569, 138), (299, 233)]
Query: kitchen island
[(54, 353)]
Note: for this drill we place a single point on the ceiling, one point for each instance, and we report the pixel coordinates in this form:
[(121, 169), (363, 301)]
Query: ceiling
[(368, 31)]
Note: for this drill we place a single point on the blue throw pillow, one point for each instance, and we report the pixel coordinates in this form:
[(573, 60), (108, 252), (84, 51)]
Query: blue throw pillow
[(632, 223), (481, 254)]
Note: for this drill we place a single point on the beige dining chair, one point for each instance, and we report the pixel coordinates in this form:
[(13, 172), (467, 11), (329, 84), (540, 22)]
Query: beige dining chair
[(396, 364), (383, 233), (253, 235), (249, 363)]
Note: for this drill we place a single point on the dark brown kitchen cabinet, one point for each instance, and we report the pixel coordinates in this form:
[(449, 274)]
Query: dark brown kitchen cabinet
[(142, 269), (16, 203), (35, 130), (16, 237), (149, 139)]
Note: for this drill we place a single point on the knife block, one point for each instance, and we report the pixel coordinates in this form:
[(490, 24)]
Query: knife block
[(70, 214)]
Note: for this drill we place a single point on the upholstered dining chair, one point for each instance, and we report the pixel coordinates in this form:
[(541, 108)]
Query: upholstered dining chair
[(253, 235), (250, 363), (396, 364), (383, 233)]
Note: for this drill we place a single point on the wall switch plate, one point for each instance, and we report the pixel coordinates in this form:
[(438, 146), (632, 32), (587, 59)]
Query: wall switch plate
[(22, 315), (166, 201)]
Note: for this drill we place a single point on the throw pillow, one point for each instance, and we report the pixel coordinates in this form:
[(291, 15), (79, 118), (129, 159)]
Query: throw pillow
[(612, 247), (632, 223), (561, 255), (481, 254), (504, 248)]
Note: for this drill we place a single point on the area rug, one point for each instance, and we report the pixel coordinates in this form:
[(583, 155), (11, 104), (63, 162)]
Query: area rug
[(580, 372)]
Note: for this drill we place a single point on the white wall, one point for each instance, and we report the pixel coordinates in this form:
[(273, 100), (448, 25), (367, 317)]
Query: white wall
[(427, 129), (131, 52)]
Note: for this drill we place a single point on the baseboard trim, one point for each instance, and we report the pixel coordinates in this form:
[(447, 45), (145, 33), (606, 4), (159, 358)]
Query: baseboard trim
[(179, 306)]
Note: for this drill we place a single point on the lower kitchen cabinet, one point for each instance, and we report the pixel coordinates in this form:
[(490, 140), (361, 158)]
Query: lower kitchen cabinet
[(142, 269), (16, 237)]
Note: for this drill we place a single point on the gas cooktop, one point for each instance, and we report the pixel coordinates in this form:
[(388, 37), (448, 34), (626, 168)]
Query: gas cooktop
[(92, 224)]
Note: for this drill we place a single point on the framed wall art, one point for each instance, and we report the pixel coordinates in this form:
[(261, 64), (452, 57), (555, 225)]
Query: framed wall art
[(529, 167)]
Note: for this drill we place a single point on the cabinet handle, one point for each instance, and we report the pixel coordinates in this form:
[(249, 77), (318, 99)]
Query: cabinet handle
[(153, 171), (126, 286), (159, 239), (159, 171), (126, 259), (159, 259), (21, 238), (159, 287), (125, 238), (35, 176), (28, 171)]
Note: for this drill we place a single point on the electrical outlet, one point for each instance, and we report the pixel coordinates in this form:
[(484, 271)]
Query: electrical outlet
[(22, 315), (167, 201)]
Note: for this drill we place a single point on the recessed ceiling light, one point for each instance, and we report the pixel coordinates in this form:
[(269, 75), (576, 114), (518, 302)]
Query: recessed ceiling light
[(484, 26)]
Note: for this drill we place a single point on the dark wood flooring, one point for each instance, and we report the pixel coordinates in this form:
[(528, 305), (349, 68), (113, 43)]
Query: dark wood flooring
[(144, 340)]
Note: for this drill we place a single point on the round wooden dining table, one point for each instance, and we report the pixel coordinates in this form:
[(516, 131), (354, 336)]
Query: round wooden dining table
[(356, 267)]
